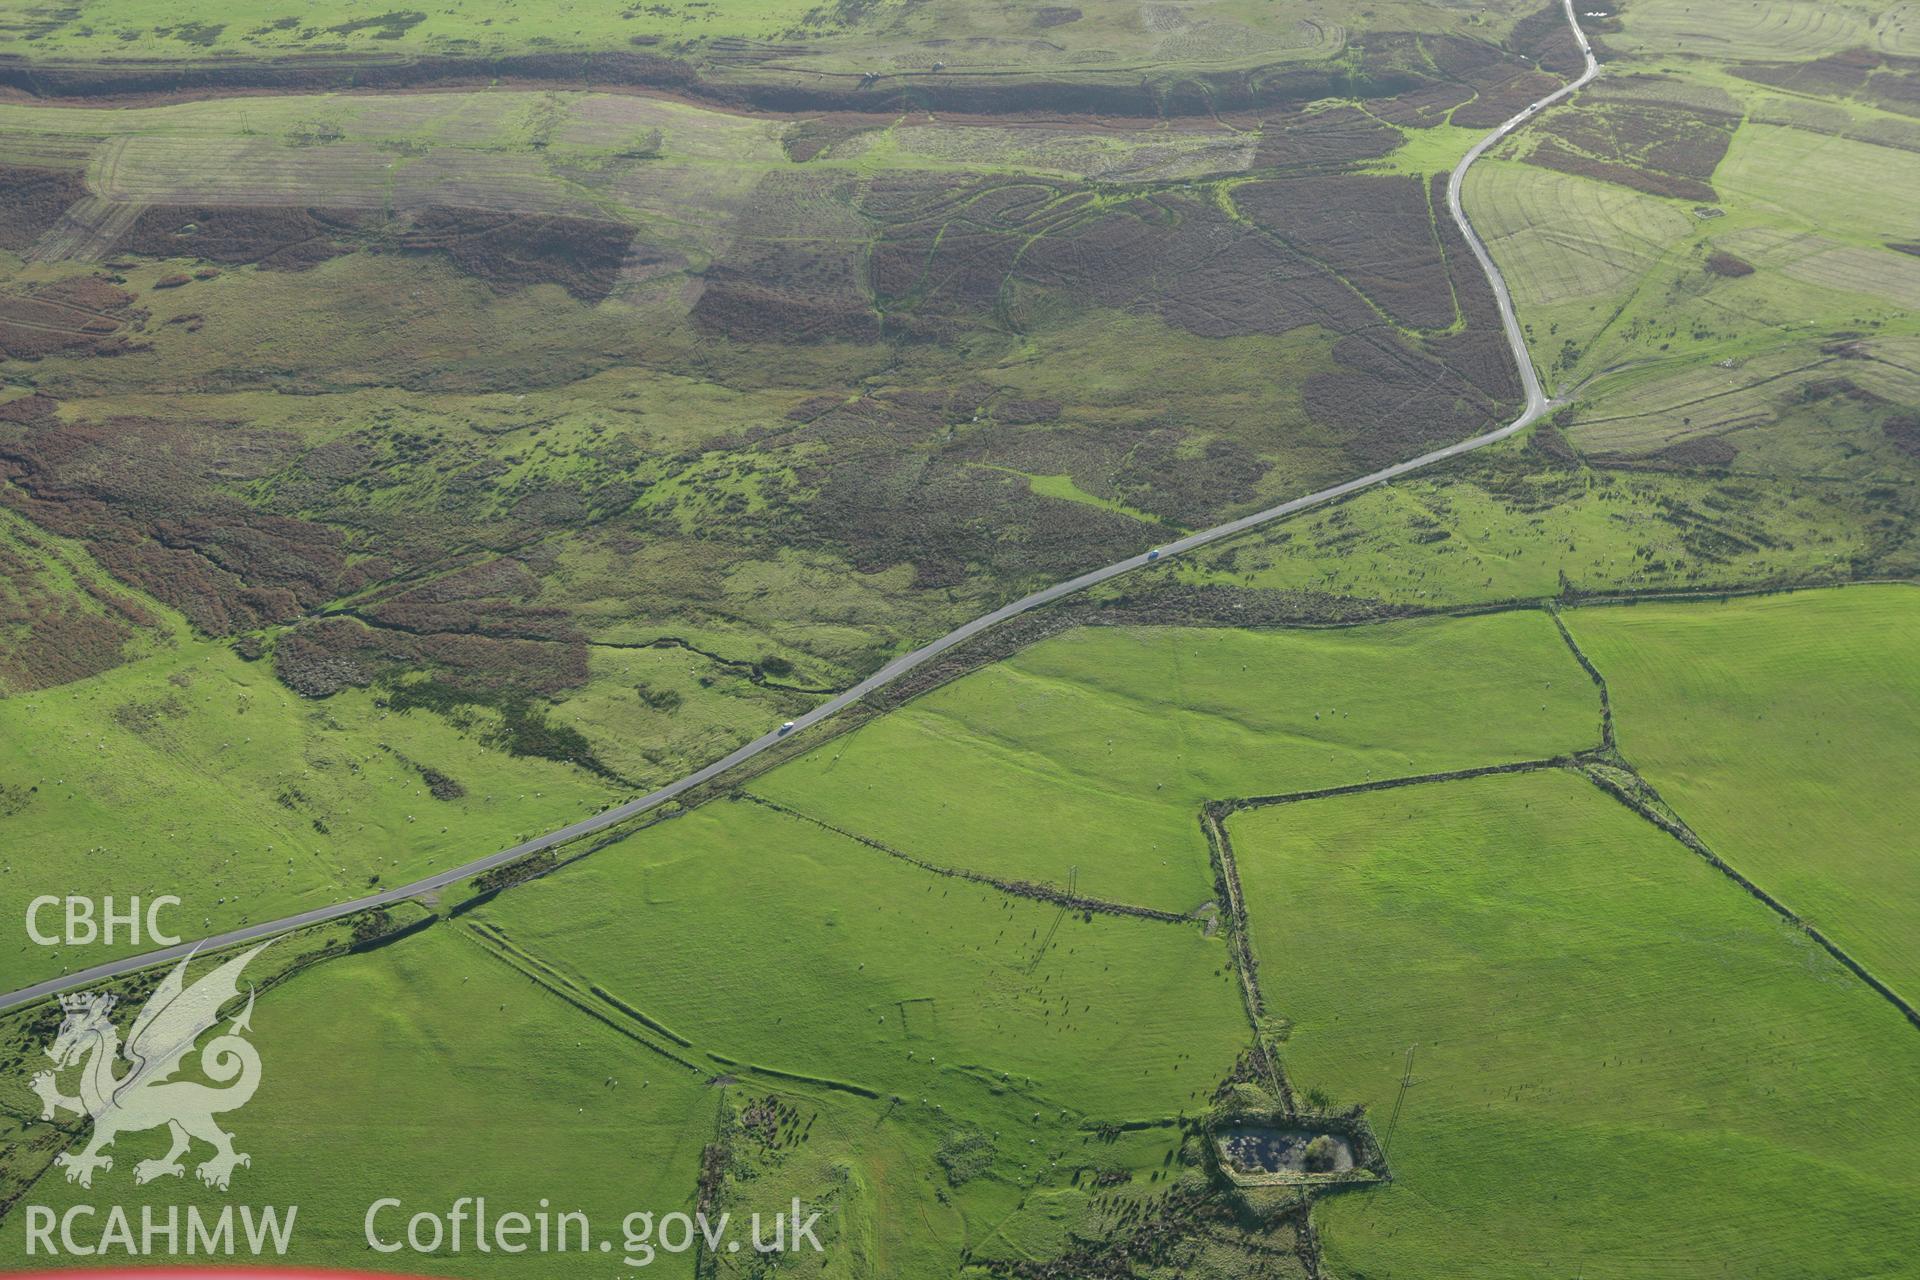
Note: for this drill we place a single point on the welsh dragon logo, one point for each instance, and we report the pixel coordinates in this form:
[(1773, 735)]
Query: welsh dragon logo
[(145, 1096)]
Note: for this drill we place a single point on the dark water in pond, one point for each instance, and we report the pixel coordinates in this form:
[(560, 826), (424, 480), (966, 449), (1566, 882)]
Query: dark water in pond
[(1264, 1149)]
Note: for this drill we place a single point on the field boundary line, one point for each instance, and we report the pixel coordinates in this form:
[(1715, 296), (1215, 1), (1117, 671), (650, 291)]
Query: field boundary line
[(1593, 672), (1227, 877), (1029, 889), (1536, 406), (1227, 808), (1677, 827), (1674, 825), (1132, 611), (547, 979), (496, 943), (1704, 595), (533, 868)]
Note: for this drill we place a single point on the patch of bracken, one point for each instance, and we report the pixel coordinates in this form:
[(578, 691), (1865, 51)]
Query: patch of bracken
[(32, 200), (1722, 263), (142, 494)]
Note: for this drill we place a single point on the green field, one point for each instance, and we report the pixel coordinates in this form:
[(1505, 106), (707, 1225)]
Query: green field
[(454, 1063), (913, 1006), (1624, 1065), (1608, 1029), (1782, 729), (429, 1071), (777, 944), (1088, 756)]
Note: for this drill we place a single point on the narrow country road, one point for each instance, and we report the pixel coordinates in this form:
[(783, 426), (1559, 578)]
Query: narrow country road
[(1536, 405)]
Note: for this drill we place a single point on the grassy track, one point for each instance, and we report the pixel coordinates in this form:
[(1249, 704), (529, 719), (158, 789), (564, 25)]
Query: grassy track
[(1096, 749), (1625, 1065), (1782, 729)]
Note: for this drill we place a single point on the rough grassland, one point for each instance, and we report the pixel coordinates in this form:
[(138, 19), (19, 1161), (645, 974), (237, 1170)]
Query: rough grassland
[(429, 1071), (1625, 1066), (1797, 174), (966, 34), (1784, 730), (153, 28), (1520, 527), (542, 403), (1095, 750), (194, 773)]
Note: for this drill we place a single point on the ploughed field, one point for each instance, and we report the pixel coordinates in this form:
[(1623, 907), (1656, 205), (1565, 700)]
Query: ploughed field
[(1712, 258)]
